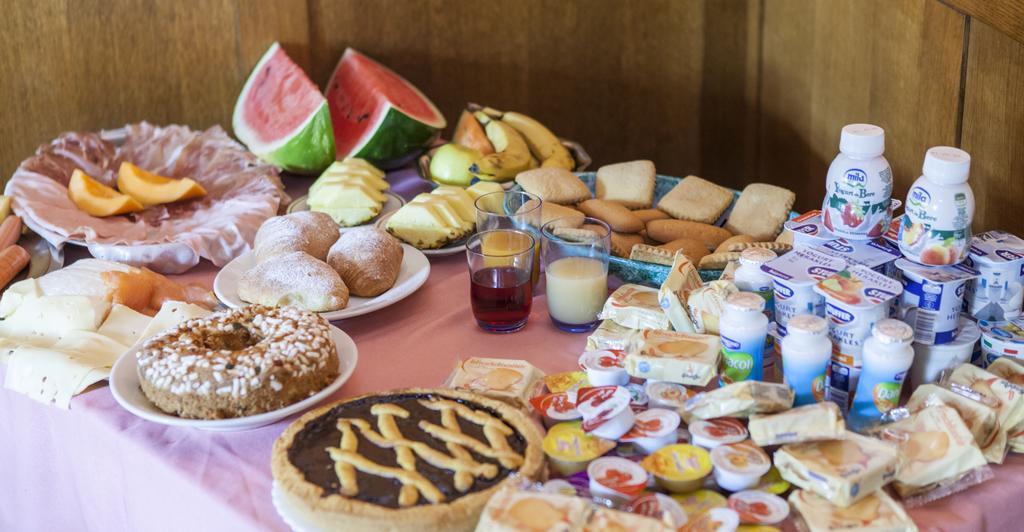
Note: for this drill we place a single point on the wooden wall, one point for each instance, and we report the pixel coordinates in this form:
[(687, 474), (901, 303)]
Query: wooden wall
[(734, 90)]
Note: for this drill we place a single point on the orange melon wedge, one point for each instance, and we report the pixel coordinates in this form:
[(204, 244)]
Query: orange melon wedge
[(152, 189), (98, 199)]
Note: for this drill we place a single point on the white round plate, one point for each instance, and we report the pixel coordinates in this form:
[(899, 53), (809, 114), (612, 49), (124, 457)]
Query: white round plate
[(124, 384), (413, 273), (393, 203), (291, 517), (450, 248)]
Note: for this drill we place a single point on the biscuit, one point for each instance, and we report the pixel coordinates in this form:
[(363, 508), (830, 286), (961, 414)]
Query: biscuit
[(622, 243), (549, 212), (724, 246), (651, 254), (556, 185), (631, 184), (669, 230), (693, 249), (697, 200), (614, 214), (777, 247), (575, 234), (718, 261), (761, 211), (651, 214)]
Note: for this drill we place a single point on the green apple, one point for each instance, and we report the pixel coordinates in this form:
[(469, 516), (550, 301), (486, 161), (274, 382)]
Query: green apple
[(450, 165)]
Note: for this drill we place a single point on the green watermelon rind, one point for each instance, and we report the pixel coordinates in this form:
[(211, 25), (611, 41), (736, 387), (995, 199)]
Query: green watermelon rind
[(308, 150), (395, 135)]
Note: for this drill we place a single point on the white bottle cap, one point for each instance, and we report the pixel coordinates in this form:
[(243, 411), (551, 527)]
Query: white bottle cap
[(756, 256), (862, 140), (745, 302), (807, 324), (890, 331), (946, 165)]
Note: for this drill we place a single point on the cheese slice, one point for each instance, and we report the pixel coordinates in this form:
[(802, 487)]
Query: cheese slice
[(124, 325), (17, 293), (171, 314), (42, 321)]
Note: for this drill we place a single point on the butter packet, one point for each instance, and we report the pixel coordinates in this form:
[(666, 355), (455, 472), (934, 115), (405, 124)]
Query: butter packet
[(610, 336), (707, 303), (979, 415), (1013, 372), (635, 307), (937, 451), (820, 421), (682, 279), (740, 399), (683, 358), (843, 471), (1004, 395), (873, 513), (568, 381), (512, 381)]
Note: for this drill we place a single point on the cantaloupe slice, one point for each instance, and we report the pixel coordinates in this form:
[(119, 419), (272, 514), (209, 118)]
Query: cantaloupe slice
[(98, 199), (469, 133), (151, 189)]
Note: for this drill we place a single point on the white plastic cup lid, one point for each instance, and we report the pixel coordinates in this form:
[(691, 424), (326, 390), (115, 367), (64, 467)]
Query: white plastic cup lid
[(807, 324), (756, 256), (946, 165), (890, 331), (862, 140), (745, 302)]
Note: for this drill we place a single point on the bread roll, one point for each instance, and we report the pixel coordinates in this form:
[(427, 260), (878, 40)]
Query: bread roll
[(367, 259), (307, 231), (295, 279)]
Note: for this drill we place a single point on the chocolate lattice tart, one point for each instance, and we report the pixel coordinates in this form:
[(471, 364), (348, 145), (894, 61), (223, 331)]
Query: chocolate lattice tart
[(415, 459)]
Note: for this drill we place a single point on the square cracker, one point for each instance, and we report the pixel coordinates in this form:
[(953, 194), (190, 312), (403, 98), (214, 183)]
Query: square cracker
[(555, 185), (696, 200), (761, 211), (631, 184)]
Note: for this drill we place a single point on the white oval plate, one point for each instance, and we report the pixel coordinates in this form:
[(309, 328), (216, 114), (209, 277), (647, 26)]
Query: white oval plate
[(411, 275), (451, 248), (124, 385), (393, 203)]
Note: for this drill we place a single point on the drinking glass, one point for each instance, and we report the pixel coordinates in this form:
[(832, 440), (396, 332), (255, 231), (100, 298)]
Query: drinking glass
[(500, 264), (512, 209), (576, 272)]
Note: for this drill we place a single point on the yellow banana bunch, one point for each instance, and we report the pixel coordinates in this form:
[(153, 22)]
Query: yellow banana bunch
[(541, 141), (512, 154)]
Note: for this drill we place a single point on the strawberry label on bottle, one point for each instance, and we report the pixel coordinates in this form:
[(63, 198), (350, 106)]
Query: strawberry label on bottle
[(857, 202)]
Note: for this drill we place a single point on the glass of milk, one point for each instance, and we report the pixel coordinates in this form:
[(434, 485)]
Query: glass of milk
[(576, 273)]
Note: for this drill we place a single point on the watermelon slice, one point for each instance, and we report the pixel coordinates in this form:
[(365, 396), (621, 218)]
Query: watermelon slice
[(378, 115), (282, 117)]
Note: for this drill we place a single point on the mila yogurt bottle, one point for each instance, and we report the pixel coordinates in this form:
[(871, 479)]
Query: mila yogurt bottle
[(806, 352), (887, 358), (997, 294), (743, 330), (859, 185), (936, 228)]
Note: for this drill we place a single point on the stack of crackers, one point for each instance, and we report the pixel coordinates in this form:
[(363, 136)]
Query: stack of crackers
[(683, 221)]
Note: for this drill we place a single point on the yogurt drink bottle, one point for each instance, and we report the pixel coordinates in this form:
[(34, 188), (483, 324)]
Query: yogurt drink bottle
[(936, 228), (998, 293), (806, 352), (855, 299), (887, 358), (750, 278), (859, 185), (743, 330), (932, 298)]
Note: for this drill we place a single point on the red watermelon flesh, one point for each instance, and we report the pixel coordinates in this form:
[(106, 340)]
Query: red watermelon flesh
[(280, 100), (377, 114)]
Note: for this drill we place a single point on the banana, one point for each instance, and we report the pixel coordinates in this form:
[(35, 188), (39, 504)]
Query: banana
[(513, 154), (542, 142)]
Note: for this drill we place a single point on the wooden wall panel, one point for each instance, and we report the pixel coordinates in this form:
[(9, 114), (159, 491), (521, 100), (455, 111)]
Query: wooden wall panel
[(828, 63), (993, 129)]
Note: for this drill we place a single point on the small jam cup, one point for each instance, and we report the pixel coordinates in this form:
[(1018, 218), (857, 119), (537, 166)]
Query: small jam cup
[(711, 433), (556, 408), (739, 466), (605, 410), (616, 478), (605, 368), (679, 468), (570, 449), (654, 428)]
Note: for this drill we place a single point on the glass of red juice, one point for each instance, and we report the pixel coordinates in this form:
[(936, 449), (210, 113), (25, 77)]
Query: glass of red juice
[(500, 266)]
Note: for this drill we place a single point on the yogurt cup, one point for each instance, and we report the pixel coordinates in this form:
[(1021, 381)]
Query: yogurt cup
[(605, 367), (809, 230), (679, 468), (668, 395), (570, 449), (999, 291), (1002, 339), (793, 278), (660, 507), (556, 407), (654, 428), (605, 410), (739, 466), (932, 298), (711, 433), (756, 507), (855, 299), (617, 479), (878, 254), (930, 360)]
